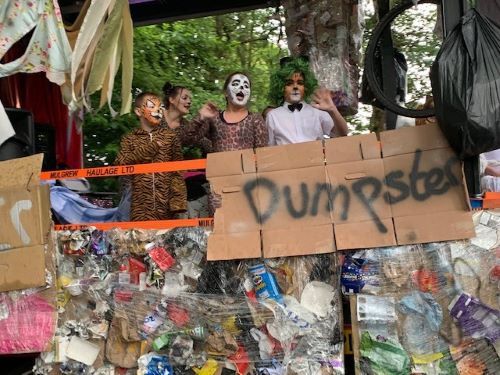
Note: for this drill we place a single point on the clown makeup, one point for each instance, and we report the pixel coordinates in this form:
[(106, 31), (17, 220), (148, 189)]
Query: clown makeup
[(152, 110), (238, 90), (294, 88), (182, 101)]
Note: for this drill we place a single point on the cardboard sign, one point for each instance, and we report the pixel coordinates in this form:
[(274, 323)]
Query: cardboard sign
[(24, 223), (344, 193)]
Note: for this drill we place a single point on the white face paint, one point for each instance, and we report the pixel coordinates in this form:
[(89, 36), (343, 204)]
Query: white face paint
[(238, 90)]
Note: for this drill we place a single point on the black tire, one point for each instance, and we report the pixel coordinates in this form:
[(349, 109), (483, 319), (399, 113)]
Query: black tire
[(390, 103)]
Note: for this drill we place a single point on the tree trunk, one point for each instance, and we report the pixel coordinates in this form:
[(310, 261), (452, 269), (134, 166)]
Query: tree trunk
[(329, 33)]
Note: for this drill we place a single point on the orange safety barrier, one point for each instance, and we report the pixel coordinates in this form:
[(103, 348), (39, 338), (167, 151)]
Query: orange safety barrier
[(160, 224), (125, 170)]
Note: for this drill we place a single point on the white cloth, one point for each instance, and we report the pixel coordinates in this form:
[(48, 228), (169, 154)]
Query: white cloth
[(6, 129), (105, 41), (308, 124), (492, 155), (48, 49), (489, 183)]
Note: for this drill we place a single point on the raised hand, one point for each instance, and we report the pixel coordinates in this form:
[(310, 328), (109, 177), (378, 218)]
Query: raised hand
[(208, 111), (322, 99)]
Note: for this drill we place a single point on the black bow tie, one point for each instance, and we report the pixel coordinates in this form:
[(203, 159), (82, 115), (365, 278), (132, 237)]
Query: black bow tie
[(295, 106)]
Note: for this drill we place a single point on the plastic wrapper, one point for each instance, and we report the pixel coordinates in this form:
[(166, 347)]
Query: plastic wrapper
[(28, 317), (465, 86), (149, 302), (428, 308)]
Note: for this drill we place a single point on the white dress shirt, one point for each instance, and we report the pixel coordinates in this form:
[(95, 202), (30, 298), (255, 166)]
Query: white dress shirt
[(308, 124)]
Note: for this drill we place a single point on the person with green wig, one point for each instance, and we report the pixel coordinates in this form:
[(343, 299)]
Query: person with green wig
[(294, 120)]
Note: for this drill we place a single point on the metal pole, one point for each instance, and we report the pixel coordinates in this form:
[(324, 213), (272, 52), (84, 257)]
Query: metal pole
[(387, 62)]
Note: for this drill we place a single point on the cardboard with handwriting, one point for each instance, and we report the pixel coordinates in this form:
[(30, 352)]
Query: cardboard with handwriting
[(355, 171), (428, 197), (293, 216), (24, 222), (344, 193)]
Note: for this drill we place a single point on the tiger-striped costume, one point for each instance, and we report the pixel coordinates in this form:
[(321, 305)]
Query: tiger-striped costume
[(155, 196)]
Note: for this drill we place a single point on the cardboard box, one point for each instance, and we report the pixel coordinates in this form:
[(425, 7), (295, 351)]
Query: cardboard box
[(236, 233), (295, 219), (24, 222), (356, 173), (428, 194), (345, 193)]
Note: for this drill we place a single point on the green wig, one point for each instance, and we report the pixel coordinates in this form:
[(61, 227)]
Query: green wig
[(287, 68)]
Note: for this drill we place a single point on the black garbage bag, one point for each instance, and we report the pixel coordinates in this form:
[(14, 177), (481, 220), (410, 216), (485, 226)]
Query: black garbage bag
[(466, 86)]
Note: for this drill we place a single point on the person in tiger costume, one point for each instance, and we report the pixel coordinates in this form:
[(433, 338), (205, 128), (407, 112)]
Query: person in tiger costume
[(155, 196)]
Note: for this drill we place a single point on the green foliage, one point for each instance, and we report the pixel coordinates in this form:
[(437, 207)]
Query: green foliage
[(197, 53), (414, 35), (200, 53), (102, 135)]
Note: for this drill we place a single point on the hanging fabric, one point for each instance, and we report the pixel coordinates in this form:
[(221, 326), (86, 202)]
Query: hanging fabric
[(72, 32), (48, 49), (103, 43)]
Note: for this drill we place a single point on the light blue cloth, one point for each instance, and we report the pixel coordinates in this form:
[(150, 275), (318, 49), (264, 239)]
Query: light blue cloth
[(123, 210), (70, 208)]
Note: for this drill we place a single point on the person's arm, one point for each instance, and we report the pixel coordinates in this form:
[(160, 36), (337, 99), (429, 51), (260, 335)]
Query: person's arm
[(270, 129), (492, 170), (192, 134), (131, 153), (173, 140), (206, 116), (178, 192), (261, 135), (198, 130), (322, 99)]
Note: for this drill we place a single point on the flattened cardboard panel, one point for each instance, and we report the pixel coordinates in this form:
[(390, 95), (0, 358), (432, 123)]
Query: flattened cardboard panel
[(22, 268), (408, 139), (440, 226), (358, 191), (355, 148), (20, 214), (45, 215), (293, 156), (234, 246), (307, 241), (236, 214), (287, 198), (20, 172), (364, 234), (362, 194), (230, 163), (424, 182)]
